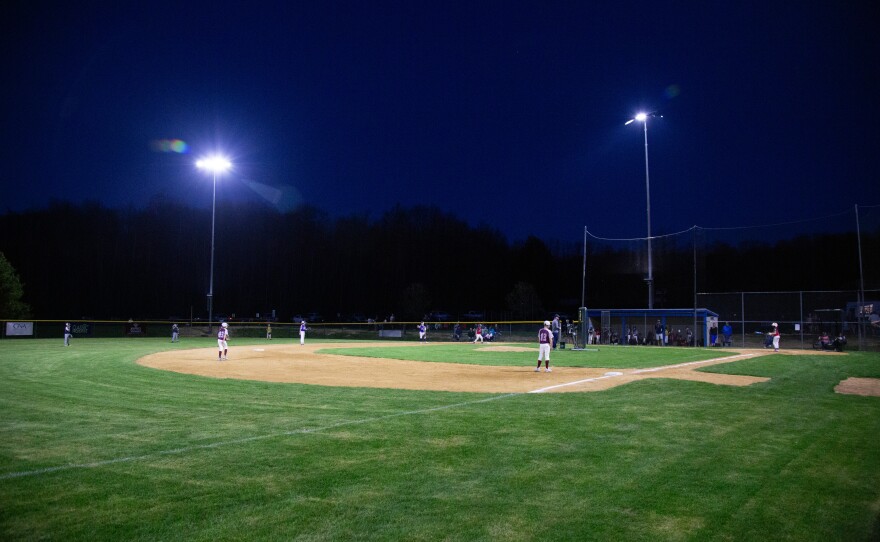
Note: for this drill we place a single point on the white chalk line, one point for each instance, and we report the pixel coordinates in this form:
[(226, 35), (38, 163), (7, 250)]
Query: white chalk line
[(187, 449), (640, 371)]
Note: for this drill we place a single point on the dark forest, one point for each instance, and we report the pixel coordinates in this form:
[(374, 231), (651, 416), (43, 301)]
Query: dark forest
[(89, 261)]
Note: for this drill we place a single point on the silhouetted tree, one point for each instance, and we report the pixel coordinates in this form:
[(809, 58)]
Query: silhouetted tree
[(11, 291)]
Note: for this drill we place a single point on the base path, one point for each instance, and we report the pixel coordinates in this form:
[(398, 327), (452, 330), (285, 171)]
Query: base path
[(303, 365)]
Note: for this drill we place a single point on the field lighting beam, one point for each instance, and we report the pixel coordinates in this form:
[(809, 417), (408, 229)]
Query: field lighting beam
[(214, 164), (643, 118)]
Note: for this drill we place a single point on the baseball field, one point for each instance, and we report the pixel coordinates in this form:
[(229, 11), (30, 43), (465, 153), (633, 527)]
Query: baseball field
[(141, 439)]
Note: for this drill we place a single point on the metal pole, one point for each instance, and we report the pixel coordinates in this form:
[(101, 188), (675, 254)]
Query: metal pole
[(859, 320), (584, 279), (742, 315), (802, 318), (211, 282), (694, 238), (648, 196)]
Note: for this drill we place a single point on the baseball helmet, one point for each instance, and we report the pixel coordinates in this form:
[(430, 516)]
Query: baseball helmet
[(225, 324), (774, 324), (546, 322)]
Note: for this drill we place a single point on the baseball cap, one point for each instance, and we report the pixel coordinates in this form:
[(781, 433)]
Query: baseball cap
[(774, 324), (225, 324), (546, 322)]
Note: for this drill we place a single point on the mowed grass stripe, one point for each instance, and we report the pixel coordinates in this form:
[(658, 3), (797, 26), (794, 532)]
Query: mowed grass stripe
[(186, 449)]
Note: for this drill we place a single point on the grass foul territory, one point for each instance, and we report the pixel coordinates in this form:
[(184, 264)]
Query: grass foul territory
[(94, 446)]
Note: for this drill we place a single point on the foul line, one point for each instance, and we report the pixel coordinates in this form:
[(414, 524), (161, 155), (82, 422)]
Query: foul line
[(186, 449), (640, 371)]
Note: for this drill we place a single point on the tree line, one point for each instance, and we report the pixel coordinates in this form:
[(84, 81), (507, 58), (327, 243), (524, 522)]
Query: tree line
[(90, 261)]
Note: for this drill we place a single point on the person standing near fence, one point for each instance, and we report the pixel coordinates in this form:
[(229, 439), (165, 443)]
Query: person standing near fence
[(775, 334), (554, 328), (175, 333), (727, 333), (302, 332), (658, 333), (545, 342), (423, 333), (269, 331), (68, 333), (222, 338)]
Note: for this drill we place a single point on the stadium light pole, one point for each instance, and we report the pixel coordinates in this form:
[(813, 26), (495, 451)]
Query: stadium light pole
[(643, 118), (214, 164)]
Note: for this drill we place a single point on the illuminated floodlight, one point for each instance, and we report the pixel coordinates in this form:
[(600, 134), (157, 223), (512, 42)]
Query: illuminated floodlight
[(217, 164), (214, 164), (641, 117)]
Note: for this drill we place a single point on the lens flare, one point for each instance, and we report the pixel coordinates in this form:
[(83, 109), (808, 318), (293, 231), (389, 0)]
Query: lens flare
[(178, 146)]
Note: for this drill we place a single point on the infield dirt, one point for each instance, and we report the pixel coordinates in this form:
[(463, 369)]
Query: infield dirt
[(304, 364)]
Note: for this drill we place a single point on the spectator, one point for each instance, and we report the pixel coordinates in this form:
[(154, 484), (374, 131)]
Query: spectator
[(555, 327), (713, 335), (658, 333), (727, 333)]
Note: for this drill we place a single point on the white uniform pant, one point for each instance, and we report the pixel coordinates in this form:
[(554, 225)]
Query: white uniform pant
[(302, 337), (543, 352)]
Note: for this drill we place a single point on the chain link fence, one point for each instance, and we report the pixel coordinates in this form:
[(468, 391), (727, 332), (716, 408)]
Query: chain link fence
[(803, 316)]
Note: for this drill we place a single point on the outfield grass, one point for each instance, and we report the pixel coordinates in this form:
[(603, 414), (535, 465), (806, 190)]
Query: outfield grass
[(95, 447)]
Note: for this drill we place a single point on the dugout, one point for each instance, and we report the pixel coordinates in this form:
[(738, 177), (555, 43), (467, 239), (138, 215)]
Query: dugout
[(620, 322)]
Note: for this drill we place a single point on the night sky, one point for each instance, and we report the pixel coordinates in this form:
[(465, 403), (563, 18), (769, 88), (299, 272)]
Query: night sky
[(509, 114)]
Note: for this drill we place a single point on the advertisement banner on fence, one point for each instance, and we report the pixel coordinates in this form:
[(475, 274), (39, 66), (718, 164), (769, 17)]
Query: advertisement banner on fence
[(19, 329), (133, 329), (81, 329)]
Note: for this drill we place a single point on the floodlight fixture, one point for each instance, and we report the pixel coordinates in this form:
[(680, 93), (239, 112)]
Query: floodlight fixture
[(214, 164), (643, 118), (217, 164)]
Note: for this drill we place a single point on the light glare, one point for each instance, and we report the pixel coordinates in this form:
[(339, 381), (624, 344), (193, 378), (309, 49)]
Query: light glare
[(641, 117), (217, 164)]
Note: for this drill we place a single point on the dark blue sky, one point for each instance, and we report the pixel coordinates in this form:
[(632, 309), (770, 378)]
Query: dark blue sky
[(504, 113)]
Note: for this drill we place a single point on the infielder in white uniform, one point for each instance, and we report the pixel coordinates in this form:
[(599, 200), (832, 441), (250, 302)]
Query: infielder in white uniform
[(175, 333), (222, 337), (302, 332), (545, 341), (423, 333)]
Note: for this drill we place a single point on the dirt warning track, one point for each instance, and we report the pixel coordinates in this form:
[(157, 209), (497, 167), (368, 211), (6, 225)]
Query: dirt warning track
[(296, 363)]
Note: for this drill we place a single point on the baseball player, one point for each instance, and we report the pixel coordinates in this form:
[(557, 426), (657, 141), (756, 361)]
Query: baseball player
[(222, 337), (269, 331), (478, 333), (423, 332), (302, 332), (175, 333), (545, 342), (67, 334), (775, 334)]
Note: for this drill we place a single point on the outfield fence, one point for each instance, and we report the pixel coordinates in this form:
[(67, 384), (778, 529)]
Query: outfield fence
[(750, 332)]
